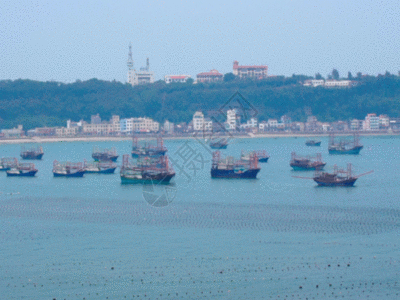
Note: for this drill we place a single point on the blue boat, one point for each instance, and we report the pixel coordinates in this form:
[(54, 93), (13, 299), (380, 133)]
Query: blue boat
[(230, 168), (148, 149), (23, 170), (7, 163), (99, 167), (68, 169)]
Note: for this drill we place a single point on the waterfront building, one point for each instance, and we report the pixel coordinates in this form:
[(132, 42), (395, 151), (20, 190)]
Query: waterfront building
[(371, 122), (131, 125), (13, 133), (232, 119), (102, 128), (257, 72), (211, 76), (198, 121), (272, 123), (356, 125), (176, 78), (42, 131), (384, 121), (64, 131), (168, 127)]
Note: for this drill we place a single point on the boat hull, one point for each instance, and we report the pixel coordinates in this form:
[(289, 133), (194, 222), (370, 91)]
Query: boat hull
[(263, 159), (22, 174), (76, 174), (317, 144), (104, 157), (347, 182), (106, 171), (32, 156), (307, 168), (146, 179), (248, 174), (354, 150), (137, 154)]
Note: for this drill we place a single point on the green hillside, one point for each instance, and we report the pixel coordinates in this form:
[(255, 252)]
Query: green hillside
[(35, 104)]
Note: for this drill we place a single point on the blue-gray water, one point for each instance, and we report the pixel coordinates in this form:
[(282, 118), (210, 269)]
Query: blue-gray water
[(277, 237)]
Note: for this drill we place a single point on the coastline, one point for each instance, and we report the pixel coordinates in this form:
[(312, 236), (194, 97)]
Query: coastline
[(241, 136)]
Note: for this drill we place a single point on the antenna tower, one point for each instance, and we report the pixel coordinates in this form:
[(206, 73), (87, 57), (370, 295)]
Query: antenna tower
[(130, 59)]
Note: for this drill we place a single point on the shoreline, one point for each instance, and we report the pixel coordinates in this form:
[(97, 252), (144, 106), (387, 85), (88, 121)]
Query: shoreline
[(119, 139)]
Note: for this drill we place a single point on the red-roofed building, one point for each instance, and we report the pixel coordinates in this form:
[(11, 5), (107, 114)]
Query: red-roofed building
[(258, 72), (211, 76), (176, 78)]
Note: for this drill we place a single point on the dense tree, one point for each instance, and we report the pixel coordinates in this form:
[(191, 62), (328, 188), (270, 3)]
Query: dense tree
[(36, 104), (349, 76), (229, 77), (318, 76), (335, 74)]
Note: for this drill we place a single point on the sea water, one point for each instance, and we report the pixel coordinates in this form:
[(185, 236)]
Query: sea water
[(276, 237)]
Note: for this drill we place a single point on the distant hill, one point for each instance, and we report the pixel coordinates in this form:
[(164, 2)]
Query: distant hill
[(35, 104)]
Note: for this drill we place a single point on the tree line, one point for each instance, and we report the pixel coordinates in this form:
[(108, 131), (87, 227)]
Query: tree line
[(39, 104)]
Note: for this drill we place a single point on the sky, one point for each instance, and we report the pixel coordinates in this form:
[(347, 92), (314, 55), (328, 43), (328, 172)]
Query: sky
[(69, 40)]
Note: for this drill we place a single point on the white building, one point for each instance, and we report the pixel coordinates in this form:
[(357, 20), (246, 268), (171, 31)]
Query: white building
[(208, 124), (384, 121), (272, 123), (371, 122), (338, 83), (176, 78), (314, 82), (168, 127), (143, 76), (231, 119), (105, 128), (356, 124), (198, 121), (131, 125)]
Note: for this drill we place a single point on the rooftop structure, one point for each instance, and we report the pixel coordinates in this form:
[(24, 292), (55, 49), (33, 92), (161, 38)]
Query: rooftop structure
[(143, 76)]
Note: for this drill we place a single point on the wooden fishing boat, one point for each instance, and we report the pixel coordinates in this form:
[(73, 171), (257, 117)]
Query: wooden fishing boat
[(148, 149), (262, 155), (32, 153), (23, 170), (68, 169), (6, 163), (313, 143), (229, 167), (344, 146), (306, 162), (99, 167), (104, 154)]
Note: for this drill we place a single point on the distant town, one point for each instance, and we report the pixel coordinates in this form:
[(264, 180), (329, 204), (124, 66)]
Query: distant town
[(200, 124)]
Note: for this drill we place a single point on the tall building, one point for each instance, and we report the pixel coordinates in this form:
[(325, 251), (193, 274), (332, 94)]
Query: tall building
[(258, 72), (143, 76), (198, 121)]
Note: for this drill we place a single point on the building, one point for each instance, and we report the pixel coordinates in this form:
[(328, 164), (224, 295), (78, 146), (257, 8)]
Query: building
[(131, 125), (143, 76), (356, 125), (64, 131), (211, 76), (371, 122), (95, 119), (103, 128), (176, 78), (42, 131), (338, 83), (198, 121), (13, 133), (232, 119), (168, 127), (384, 122), (314, 82), (272, 123), (257, 72)]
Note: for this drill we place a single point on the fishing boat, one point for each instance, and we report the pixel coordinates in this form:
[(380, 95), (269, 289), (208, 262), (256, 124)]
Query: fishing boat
[(23, 169), (99, 167), (157, 171), (218, 143), (262, 155), (148, 149), (313, 143), (6, 163), (229, 167), (306, 162), (339, 177), (344, 146), (104, 154), (68, 169), (32, 153)]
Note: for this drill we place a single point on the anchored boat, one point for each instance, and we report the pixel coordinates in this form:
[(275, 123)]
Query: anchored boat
[(229, 167), (339, 177), (6, 163), (68, 169), (306, 163), (313, 143), (148, 149), (105, 154), (153, 171), (262, 155), (99, 167), (23, 169), (32, 153), (344, 146), (219, 143)]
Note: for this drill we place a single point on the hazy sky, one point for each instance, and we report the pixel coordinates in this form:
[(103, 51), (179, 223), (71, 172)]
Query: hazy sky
[(69, 40)]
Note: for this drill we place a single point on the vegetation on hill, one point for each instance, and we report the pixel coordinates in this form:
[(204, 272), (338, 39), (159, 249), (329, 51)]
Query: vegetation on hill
[(37, 104)]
